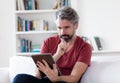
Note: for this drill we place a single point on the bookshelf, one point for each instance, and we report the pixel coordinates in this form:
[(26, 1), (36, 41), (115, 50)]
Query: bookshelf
[(34, 22)]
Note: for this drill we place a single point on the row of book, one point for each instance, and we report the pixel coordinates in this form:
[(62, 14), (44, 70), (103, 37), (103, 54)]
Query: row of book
[(32, 25), (27, 4), (27, 46), (34, 4), (95, 42), (61, 3)]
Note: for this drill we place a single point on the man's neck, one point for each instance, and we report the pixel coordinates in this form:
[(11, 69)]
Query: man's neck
[(71, 42)]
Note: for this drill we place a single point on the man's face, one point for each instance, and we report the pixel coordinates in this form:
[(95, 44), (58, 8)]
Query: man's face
[(66, 29)]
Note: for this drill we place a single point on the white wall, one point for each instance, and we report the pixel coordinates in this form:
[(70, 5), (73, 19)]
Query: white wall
[(6, 31), (101, 18)]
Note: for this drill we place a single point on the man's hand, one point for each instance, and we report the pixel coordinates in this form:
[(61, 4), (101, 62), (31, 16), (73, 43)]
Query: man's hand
[(62, 47), (52, 74)]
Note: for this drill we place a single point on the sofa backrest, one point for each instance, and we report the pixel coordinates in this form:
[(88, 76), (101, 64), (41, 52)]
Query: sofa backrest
[(103, 69)]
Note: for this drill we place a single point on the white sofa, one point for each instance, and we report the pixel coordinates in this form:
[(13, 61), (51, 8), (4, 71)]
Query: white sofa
[(103, 69)]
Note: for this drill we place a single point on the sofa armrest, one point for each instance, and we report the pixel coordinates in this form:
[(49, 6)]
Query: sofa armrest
[(4, 75)]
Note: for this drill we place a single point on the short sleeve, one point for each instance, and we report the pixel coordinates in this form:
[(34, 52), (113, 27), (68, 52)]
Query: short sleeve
[(85, 54), (45, 47)]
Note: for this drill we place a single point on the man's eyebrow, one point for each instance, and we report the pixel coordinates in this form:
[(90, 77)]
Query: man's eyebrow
[(67, 26), (63, 27), (59, 27)]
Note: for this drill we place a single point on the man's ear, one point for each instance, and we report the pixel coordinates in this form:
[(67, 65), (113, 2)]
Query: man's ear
[(76, 25)]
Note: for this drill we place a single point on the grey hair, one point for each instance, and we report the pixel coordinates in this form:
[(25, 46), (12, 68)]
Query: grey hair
[(67, 13)]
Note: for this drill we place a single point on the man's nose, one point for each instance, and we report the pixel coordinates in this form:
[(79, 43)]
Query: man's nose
[(63, 31)]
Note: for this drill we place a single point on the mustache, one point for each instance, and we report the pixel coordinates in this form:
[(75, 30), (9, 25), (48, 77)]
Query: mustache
[(64, 35)]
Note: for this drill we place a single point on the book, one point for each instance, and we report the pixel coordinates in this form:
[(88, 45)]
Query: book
[(23, 47), (88, 40), (18, 4), (29, 4), (98, 42), (26, 45), (36, 4)]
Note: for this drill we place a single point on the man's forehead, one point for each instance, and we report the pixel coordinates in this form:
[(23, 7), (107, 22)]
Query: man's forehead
[(63, 22)]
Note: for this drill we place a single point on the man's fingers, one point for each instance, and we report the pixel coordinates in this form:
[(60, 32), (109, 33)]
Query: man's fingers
[(40, 65), (55, 68), (45, 63)]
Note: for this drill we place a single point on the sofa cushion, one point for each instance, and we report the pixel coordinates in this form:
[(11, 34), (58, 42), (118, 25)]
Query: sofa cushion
[(21, 64)]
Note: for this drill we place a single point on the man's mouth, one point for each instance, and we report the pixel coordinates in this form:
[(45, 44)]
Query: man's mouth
[(65, 37)]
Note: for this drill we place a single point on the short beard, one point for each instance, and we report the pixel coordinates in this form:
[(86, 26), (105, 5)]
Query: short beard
[(67, 37)]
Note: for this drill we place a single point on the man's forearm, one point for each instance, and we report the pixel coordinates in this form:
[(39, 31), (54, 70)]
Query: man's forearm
[(76, 73), (56, 57), (68, 79)]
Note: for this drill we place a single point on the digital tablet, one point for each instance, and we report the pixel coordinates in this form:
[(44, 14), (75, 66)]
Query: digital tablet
[(48, 58)]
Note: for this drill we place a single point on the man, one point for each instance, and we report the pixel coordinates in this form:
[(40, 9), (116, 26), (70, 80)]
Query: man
[(70, 52)]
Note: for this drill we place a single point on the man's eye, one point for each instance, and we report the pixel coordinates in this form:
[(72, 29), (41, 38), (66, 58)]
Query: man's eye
[(67, 27), (59, 27)]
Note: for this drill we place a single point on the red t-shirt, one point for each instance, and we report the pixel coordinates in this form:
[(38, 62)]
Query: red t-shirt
[(80, 52)]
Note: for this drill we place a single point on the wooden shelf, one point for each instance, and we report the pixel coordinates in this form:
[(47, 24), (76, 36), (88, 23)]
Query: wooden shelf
[(94, 52), (35, 11), (106, 51), (27, 53), (35, 32)]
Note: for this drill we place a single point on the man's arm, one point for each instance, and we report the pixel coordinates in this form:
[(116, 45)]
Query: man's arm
[(76, 73), (74, 77)]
